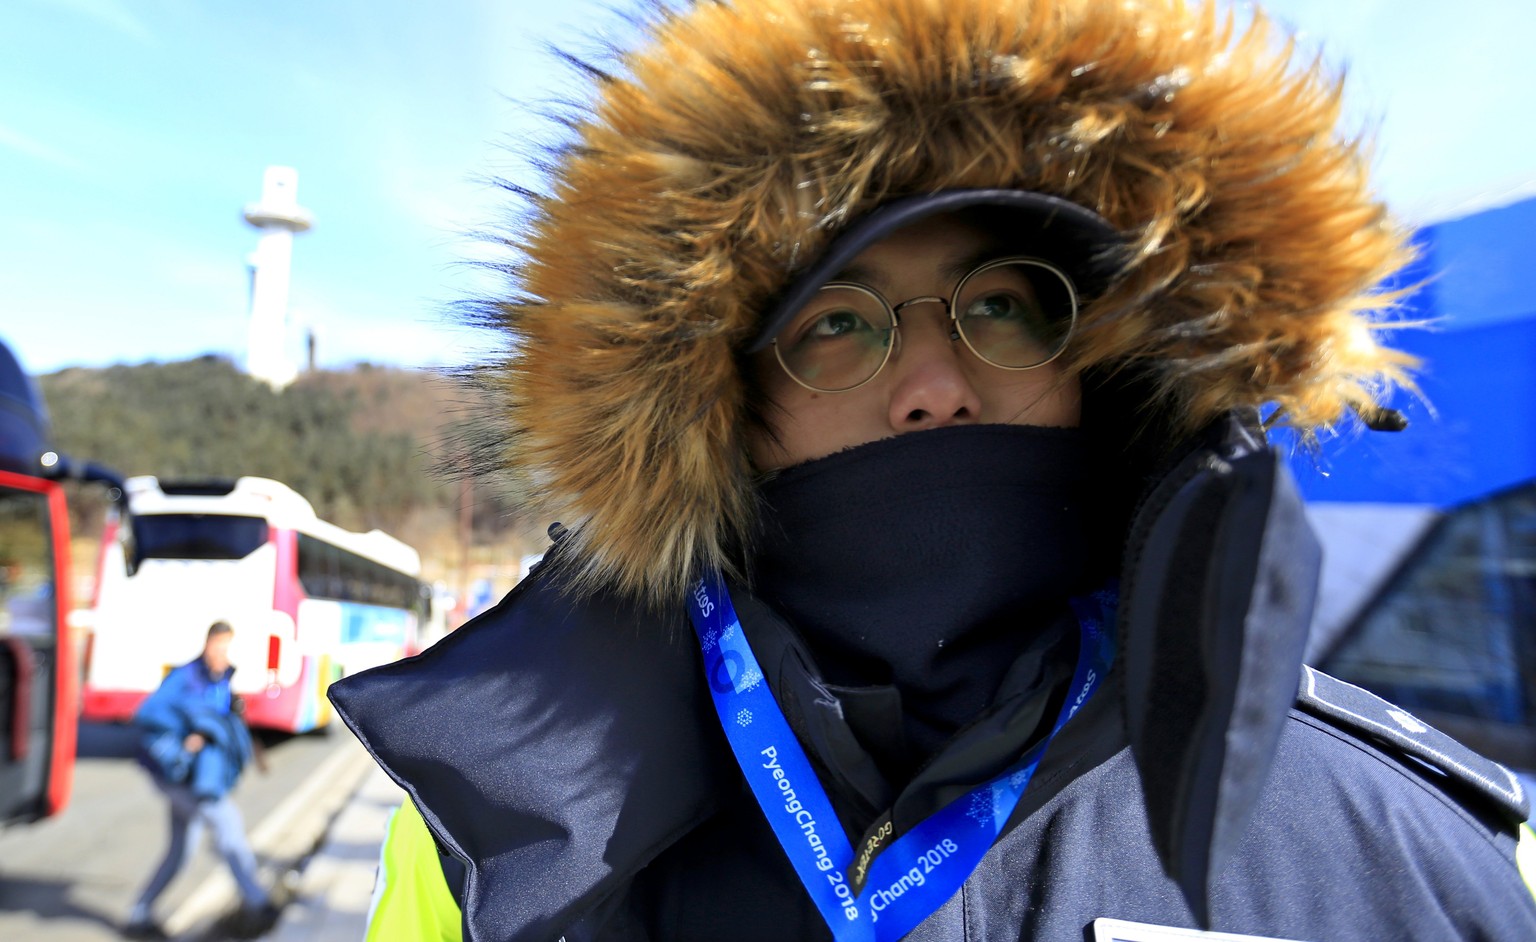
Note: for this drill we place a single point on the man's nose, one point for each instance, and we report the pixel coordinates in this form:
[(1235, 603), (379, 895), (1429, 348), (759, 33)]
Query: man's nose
[(932, 387)]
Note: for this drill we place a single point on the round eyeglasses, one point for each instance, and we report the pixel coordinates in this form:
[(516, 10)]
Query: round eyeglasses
[(1013, 313)]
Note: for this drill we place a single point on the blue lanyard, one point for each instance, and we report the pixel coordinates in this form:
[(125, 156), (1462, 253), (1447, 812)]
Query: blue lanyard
[(922, 869)]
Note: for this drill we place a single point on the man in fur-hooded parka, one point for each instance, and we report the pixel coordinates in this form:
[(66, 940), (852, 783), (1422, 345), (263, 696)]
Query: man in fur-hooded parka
[(562, 751)]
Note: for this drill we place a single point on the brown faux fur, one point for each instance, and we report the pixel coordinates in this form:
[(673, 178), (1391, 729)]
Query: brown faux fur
[(742, 135)]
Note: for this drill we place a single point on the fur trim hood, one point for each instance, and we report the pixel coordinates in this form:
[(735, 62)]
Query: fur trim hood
[(740, 136)]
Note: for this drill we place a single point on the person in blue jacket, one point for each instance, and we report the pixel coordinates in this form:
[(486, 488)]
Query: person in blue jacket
[(194, 747)]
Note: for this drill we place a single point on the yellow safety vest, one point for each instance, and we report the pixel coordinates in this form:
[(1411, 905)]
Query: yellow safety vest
[(1525, 857), (412, 902), (411, 899)]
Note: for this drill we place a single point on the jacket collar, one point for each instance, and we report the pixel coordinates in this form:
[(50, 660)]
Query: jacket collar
[(555, 747)]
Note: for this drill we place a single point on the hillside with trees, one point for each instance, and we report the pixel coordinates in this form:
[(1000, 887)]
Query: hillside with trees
[(368, 446)]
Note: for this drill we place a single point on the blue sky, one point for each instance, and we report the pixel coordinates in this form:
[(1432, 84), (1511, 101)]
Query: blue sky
[(133, 131)]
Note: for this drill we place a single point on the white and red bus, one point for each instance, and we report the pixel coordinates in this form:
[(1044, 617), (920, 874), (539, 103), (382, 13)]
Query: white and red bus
[(39, 688), (309, 601)]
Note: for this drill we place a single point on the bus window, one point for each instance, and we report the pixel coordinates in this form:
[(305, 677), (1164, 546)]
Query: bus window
[(197, 536), (27, 605), (354, 577), (29, 651), (328, 572), (320, 568)]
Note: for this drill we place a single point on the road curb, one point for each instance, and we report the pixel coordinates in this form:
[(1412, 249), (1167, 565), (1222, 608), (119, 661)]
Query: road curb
[(281, 840), (336, 889)]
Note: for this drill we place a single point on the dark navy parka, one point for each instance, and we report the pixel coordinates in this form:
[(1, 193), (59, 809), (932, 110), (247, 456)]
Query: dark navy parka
[(569, 763)]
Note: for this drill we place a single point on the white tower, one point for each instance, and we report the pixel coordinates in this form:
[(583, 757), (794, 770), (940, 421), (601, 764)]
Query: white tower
[(278, 216)]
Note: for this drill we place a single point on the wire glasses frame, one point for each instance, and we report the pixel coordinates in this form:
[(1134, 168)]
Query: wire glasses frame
[(889, 331)]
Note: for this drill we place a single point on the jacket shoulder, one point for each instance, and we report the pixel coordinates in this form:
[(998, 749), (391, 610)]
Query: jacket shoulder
[(182, 675), (1398, 732), (164, 705), (555, 745)]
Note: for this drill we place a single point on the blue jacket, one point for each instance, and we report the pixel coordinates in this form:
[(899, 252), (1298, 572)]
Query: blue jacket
[(191, 700)]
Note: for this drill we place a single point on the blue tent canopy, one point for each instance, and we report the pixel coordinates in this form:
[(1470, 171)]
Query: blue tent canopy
[(1472, 432)]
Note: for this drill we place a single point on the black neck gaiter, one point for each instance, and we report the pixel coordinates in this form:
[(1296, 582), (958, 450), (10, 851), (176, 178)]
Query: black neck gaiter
[(931, 562)]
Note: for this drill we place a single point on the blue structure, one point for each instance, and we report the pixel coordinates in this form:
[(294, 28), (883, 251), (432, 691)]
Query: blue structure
[(1474, 431), (1432, 603)]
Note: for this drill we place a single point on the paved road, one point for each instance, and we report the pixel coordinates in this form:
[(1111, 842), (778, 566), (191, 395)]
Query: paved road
[(73, 878)]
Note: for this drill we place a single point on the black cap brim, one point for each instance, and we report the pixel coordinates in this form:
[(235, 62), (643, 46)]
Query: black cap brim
[(1081, 242)]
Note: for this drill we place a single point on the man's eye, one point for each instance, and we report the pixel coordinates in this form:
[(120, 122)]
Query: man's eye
[(837, 324), (1000, 305)]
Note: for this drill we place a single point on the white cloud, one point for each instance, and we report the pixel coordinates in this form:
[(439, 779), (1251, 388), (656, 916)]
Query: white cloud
[(385, 330), (205, 271), (116, 291), (1441, 88), (29, 146), (113, 14)]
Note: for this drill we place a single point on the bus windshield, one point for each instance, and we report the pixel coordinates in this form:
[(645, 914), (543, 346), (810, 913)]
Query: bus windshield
[(197, 536)]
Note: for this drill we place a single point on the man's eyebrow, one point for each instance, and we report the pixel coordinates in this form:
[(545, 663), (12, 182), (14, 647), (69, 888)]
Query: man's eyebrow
[(862, 274), (951, 269), (956, 267)]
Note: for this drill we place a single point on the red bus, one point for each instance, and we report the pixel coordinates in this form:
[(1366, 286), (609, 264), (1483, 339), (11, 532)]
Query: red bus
[(39, 691)]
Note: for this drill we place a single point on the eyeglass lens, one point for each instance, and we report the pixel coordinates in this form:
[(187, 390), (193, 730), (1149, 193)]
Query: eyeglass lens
[(1013, 313)]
